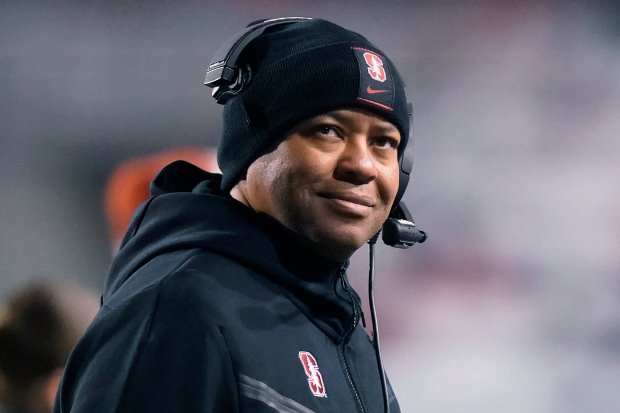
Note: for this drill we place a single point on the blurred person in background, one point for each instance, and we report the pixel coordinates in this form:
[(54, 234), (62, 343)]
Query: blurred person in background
[(229, 292), (39, 325)]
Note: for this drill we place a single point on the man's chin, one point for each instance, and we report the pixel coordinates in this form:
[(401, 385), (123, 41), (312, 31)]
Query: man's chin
[(339, 247), (335, 239)]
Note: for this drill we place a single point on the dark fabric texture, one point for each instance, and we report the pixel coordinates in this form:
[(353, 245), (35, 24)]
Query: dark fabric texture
[(207, 308), (299, 71)]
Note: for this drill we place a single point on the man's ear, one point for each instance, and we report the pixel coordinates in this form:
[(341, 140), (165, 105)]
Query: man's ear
[(238, 192)]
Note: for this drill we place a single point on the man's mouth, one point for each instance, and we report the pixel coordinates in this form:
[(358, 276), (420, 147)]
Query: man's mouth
[(352, 203)]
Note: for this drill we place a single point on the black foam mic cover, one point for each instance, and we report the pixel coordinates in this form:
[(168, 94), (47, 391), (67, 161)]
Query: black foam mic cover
[(399, 230)]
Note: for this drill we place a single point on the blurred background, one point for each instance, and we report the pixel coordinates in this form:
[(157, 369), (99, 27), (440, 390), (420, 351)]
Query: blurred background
[(512, 305)]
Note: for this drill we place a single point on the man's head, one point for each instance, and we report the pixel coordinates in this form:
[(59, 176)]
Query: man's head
[(316, 72), (332, 180)]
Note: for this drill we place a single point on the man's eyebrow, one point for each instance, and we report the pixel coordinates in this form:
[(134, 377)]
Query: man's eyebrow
[(383, 127), (387, 129)]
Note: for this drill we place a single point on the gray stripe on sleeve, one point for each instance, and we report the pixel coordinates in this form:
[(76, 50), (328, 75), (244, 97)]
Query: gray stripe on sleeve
[(257, 390)]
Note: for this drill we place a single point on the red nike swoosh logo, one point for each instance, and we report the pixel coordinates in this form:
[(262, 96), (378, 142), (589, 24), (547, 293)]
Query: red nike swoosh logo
[(373, 91)]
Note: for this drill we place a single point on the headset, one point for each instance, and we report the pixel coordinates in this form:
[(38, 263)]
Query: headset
[(228, 78)]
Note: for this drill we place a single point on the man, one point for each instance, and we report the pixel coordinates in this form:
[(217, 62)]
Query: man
[(229, 293)]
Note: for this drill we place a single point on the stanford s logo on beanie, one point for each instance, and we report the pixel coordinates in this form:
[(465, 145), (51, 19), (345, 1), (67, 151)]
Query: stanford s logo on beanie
[(376, 84), (375, 66)]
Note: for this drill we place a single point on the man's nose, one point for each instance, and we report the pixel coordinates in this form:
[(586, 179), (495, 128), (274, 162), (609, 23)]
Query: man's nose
[(356, 163)]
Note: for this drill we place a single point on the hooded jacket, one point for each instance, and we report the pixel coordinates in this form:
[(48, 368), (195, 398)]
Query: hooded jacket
[(211, 307)]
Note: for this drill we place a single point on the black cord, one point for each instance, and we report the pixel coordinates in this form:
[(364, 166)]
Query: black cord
[(375, 324)]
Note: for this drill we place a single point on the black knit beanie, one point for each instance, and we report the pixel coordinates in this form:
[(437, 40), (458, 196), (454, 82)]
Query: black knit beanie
[(302, 70)]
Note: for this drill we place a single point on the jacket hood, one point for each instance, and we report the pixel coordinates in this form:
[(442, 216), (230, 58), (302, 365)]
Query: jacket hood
[(187, 210)]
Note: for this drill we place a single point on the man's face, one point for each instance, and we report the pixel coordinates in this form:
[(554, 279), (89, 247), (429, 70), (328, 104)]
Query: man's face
[(332, 180)]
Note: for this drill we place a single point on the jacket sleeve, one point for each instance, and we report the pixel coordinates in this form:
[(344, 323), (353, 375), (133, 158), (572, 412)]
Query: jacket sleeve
[(154, 352)]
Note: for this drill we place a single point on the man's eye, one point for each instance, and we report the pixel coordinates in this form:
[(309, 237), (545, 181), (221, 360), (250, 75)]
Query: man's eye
[(387, 143), (327, 130)]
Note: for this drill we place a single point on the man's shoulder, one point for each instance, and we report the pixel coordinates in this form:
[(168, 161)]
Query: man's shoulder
[(196, 280), (219, 279)]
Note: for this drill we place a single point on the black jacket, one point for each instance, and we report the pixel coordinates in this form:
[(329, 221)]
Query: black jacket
[(210, 307)]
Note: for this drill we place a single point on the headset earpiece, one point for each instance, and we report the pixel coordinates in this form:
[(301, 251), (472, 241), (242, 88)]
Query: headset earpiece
[(399, 230), (222, 93), (405, 165), (224, 73)]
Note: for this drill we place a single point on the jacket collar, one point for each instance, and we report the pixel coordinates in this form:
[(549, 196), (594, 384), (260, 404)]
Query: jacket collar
[(189, 211)]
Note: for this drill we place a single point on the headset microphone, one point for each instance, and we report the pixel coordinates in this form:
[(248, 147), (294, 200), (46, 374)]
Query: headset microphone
[(399, 230)]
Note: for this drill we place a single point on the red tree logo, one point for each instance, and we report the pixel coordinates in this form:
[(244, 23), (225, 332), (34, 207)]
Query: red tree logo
[(311, 368), (375, 66)]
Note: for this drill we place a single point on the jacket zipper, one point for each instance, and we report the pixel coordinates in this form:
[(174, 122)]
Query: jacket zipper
[(343, 358)]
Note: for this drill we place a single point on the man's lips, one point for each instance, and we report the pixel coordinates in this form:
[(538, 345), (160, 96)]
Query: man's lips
[(349, 198)]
